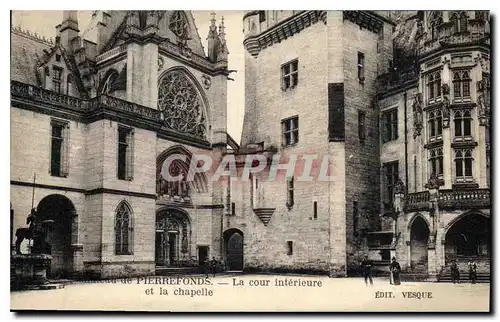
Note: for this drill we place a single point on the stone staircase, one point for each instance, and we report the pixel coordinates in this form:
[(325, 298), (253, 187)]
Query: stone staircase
[(483, 270)]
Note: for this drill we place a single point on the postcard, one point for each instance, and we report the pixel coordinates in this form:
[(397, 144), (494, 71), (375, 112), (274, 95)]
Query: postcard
[(250, 161)]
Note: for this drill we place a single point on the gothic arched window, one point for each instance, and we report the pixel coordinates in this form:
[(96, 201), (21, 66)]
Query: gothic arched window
[(181, 104), (455, 23), (461, 84), (123, 230), (463, 22), (435, 19), (178, 24), (109, 80)]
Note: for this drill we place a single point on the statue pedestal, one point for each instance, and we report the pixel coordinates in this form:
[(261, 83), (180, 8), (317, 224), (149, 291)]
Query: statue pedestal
[(28, 270)]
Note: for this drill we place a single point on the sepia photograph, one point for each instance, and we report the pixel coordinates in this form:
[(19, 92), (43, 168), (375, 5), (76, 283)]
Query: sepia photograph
[(250, 161)]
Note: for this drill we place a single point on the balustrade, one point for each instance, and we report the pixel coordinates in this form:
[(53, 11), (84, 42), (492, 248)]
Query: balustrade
[(38, 94), (450, 198)]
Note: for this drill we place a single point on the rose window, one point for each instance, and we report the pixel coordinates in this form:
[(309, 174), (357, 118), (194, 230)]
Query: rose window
[(180, 104)]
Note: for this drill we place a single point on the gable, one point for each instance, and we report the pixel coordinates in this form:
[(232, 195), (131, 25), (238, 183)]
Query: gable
[(165, 31), (112, 36)]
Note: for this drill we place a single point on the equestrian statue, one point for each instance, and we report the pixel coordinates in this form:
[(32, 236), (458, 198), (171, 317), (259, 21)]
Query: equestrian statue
[(35, 232)]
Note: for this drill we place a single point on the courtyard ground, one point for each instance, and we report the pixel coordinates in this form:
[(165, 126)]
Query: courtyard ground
[(240, 293)]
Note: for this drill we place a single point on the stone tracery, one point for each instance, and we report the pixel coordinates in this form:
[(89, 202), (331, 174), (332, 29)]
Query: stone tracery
[(179, 25), (181, 104)]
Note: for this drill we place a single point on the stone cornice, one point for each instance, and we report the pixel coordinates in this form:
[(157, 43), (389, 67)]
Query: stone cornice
[(39, 100), (283, 30), (364, 19)]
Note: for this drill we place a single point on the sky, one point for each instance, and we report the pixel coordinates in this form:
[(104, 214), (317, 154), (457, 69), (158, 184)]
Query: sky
[(44, 22)]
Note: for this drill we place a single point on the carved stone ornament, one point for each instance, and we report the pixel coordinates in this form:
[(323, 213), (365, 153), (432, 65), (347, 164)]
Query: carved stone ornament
[(179, 25), (417, 115), (445, 89), (207, 81), (433, 183), (160, 63), (399, 187), (483, 109), (181, 105)]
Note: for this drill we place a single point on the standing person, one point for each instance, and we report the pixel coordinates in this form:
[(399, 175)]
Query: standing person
[(213, 264), (366, 268), (472, 271), (395, 269), (206, 266), (455, 273)]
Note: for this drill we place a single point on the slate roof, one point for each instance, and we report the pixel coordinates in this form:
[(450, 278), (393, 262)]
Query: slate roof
[(26, 51)]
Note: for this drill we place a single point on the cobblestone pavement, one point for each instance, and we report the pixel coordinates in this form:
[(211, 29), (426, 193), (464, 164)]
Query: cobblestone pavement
[(257, 293)]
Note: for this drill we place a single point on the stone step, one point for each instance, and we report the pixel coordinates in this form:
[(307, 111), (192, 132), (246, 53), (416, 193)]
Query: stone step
[(165, 271), (51, 286)]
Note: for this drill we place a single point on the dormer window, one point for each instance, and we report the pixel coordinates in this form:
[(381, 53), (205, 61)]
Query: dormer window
[(58, 57), (57, 79)]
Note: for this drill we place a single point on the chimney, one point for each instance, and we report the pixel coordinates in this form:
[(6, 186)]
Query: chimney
[(68, 29)]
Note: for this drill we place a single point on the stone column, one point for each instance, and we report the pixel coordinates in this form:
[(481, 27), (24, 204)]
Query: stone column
[(77, 260), (433, 187), (76, 247), (432, 265)]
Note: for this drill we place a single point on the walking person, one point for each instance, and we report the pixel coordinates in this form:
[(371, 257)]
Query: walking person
[(213, 265), (455, 273), (472, 271), (395, 269), (366, 268)]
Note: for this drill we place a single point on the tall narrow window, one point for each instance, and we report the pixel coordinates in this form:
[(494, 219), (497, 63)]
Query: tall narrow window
[(355, 217), (289, 190), (123, 230), (315, 210), (290, 247), (435, 125), (461, 85), (463, 125), (233, 209), (391, 170), (290, 130), (414, 173), (59, 151), (57, 79), (125, 153), (290, 74), (463, 22), (436, 162), (68, 84), (262, 16), (463, 165), (455, 23), (390, 121), (361, 126), (434, 86), (361, 67)]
